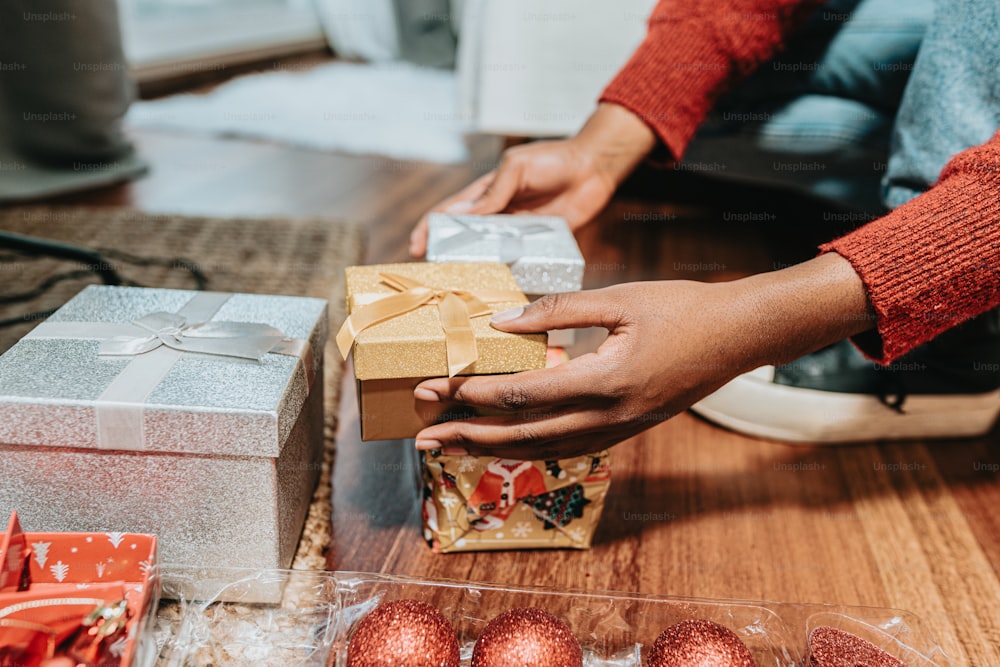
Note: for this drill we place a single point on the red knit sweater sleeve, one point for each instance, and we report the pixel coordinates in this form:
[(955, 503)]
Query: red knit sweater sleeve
[(934, 262), (694, 51)]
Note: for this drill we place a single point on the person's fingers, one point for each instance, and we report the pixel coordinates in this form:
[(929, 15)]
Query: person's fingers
[(460, 202), (501, 190), (568, 310), (550, 451), (418, 239), (566, 383), (541, 436)]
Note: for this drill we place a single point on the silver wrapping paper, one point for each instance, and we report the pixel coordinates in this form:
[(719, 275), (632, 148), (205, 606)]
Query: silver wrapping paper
[(206, 404), (547, 260), (234, 447)]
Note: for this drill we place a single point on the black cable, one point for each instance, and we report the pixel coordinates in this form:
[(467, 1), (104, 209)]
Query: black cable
[(36, 246), (44, 286), (200, 279), (95, 261)]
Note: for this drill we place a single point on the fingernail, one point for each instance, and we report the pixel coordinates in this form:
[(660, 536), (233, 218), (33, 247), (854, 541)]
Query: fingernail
[(459, 207), (454, 451), (422, 394), (424, 445), (507, 315)]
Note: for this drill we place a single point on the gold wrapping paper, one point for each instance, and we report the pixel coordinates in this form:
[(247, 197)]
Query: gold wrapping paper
[(489, 504), (392, 356)]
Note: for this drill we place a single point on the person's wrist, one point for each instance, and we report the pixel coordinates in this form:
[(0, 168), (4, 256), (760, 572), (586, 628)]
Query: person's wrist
[(613, 141), (795, 311)]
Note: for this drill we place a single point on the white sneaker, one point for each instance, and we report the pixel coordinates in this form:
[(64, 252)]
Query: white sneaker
[(949, 388)]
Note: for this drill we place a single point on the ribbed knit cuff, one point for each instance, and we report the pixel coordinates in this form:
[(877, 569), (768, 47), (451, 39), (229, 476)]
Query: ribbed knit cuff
[(934, 262)]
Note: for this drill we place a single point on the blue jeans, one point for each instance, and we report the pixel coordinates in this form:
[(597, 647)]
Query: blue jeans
[(866, 105)]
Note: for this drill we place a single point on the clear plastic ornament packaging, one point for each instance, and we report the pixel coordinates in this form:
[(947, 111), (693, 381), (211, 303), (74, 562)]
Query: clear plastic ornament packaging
[(292, 618)]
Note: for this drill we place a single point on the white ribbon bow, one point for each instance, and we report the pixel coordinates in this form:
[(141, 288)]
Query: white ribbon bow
[(246, 340), (511, 237)]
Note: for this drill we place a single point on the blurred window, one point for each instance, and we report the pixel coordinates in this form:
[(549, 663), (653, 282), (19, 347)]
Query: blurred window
[(160, 32)]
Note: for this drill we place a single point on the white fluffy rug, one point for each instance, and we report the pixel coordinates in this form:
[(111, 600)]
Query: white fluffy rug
[(394, 109)]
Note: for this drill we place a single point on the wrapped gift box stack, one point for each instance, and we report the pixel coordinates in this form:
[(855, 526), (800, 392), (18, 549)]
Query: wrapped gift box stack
[(195, 416), (484, 503), (400, 336)]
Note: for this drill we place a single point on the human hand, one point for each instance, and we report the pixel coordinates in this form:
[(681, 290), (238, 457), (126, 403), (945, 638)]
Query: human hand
[(670, 344), (655, 362), (540, 178), (570, 178)]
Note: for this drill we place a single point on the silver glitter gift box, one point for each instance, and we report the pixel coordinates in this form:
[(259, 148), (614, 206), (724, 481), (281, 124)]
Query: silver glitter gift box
[(125, 411), (540, 250)]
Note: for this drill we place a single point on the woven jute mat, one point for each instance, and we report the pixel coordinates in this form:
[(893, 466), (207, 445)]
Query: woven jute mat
[(273, 256)]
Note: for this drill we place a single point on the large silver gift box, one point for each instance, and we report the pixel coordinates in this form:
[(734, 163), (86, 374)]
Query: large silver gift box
[(148, 411), (540, 251)]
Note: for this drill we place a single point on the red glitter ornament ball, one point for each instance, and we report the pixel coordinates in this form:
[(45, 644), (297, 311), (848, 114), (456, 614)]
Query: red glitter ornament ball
[(699, 643), (403, 633), (527, 637), (831, 647)]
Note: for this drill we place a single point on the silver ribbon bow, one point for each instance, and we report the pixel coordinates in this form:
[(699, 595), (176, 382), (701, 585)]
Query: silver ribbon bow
[(246, 340), (511, 236)]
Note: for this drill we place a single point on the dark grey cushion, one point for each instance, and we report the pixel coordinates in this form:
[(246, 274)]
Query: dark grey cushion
[(64, 88)]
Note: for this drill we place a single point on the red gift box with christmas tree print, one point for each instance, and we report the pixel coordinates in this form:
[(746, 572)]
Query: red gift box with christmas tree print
[(82, 595)]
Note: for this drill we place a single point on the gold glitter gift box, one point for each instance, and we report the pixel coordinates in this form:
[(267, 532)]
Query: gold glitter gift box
[(410, 322), (194, 416)]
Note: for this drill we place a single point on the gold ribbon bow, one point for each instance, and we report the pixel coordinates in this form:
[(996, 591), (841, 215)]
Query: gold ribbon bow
[(456, 307)]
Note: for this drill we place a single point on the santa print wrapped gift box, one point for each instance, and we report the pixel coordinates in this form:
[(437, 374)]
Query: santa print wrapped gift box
[(195, 416), (486, 503)]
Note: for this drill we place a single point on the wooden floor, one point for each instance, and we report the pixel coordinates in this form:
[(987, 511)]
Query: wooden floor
[(914, 526)]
